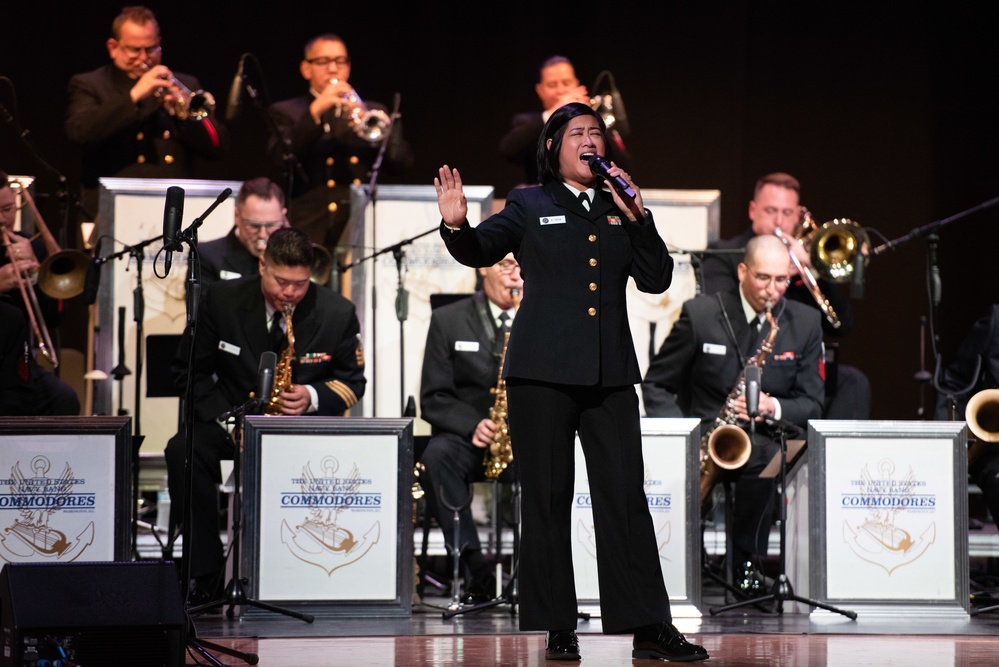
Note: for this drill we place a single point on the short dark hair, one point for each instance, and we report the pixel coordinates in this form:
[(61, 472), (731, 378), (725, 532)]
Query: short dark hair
[(551, 62), (4, 179), (548, 166), (325, 37), (289, 247), (780, 179), (262, 187), (138, 15)]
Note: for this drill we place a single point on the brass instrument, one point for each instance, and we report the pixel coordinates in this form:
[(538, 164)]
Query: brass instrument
[(810, 282), (31, 306), (196, 104), (834, 246), (63, 274), (322, 265), (369, 124), (982, 415), (609, 106), (282, 373), (499, 454), (726, 446)]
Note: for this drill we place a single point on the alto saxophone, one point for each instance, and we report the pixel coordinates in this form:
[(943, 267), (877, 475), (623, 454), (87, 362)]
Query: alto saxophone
[(282, 373), (725, 446), (499, 454)]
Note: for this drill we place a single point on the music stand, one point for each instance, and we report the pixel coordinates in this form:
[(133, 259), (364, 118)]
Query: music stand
[(782, 590)]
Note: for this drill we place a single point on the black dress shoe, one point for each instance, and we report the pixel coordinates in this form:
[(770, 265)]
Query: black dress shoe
[(664, 642), (562, 645)]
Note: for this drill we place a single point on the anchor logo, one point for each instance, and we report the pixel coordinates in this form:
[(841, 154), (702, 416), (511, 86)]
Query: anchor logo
[(320, 539), (40, 497)]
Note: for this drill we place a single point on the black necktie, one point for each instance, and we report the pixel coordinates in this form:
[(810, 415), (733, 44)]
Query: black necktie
[(501, 331), (584, 200), (277, 334)]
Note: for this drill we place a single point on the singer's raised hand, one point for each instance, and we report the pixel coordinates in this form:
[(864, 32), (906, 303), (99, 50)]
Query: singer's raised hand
[(450, 197), (634, 209)]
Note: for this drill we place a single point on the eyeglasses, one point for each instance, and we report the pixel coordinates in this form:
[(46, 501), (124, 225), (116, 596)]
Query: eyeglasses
[(507, 266), (342, 61), (762, 279), (135, 51), (257, 226)]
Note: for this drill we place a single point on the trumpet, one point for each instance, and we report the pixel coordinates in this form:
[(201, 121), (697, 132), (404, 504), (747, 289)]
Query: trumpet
[(369, 124), (195, 105)]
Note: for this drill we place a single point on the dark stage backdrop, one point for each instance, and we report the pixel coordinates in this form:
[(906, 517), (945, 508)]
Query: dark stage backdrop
[(880, 111)]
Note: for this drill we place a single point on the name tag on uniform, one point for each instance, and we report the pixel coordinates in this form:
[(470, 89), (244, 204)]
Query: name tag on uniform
[(552, 220), (713, 348), (229, 275), (466, 346), (229, 347)]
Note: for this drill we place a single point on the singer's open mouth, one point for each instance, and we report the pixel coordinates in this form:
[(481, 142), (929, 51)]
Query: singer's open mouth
[(585, 157)]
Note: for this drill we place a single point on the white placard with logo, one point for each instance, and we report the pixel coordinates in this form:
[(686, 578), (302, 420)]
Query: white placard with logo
[(888, 509), (325, 508), (64, 489), (670, 449)]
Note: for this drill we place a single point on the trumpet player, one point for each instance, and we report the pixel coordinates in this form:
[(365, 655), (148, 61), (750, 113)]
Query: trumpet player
[(123, 114), (44, 394), (557, 85), (775, 205), (323, 144), (701, 361), (460, 372)]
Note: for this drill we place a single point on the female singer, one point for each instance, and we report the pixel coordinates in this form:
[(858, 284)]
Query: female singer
[(571, 366)]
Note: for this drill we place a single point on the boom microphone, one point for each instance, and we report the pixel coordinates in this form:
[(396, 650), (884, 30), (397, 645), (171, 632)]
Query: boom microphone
[(235, 92), (599, 166), (173, 213), (265, 377)]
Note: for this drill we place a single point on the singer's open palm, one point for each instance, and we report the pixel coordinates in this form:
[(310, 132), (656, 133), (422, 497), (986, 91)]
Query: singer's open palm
[(450, 197)]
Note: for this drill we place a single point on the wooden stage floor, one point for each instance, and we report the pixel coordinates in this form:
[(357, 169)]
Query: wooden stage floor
[(739, 637)]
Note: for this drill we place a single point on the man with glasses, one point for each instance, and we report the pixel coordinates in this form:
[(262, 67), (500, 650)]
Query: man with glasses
[(259, 212), (460, 368), (122, 113), (319, 147), (707, 349), (775, 205)]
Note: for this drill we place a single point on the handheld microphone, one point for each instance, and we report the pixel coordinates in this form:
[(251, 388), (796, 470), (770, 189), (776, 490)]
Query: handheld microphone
[(265, 378), (235, 92), (173, 212), (599, 166), (752, 376)]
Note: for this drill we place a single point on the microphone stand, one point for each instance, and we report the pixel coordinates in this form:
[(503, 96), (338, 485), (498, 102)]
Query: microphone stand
[(402, 298), (782, 589), (401, 302), (697, 258), (190, 236), (932, 276)]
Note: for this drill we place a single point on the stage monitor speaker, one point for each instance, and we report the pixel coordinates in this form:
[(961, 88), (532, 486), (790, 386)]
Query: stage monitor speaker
[(92, 614)]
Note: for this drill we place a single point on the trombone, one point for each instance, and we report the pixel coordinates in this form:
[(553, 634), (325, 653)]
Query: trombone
[(31, 306), (63, 274)]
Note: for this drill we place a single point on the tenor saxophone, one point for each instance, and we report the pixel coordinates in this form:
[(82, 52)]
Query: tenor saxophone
[(499, 454), (725, 446), (282, 373)]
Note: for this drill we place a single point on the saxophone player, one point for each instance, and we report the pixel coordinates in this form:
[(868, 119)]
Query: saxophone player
[(702, 359), (460, 370), (239, 320)]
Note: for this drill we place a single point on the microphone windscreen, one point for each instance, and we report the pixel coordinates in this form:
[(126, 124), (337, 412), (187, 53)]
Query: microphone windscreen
[(173, 213)]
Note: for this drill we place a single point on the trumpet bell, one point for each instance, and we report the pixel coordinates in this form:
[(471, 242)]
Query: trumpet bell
[(982, 415), (322, 265), (834, 248), (64, 274)]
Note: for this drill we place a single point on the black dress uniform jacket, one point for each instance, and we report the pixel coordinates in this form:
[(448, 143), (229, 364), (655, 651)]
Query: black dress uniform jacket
[(572, 326)]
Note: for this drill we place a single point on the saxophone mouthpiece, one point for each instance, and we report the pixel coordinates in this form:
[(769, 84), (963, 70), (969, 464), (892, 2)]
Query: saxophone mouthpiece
[(769, 306)]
